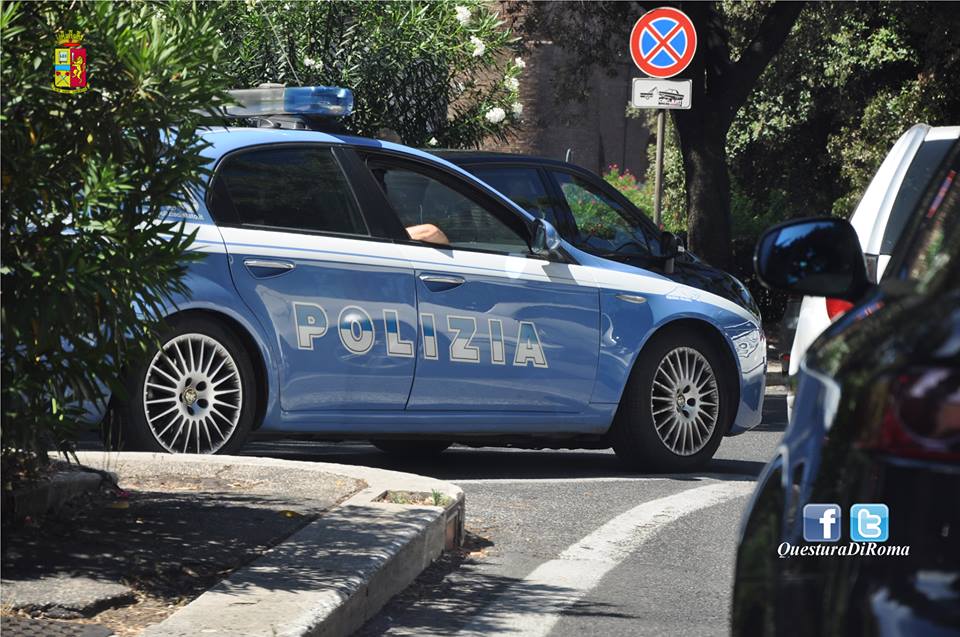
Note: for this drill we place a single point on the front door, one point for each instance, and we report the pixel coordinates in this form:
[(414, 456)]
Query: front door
[(340, 304), (499, 330)]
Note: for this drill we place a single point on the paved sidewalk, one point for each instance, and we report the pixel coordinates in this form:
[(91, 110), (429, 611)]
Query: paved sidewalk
[(305, 547)]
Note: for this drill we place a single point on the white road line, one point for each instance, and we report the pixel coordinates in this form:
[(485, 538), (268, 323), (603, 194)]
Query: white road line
[(559, 583), (686, 476)]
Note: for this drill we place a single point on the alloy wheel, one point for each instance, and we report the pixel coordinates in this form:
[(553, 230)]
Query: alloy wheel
[(192, 395), (685, 401)]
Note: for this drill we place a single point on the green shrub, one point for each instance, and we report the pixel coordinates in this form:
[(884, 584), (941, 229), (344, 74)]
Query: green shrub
[(672, 217), (437, 73), (87, 260)]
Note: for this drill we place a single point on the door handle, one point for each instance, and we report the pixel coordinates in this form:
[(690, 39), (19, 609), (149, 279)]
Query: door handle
[(441, 282), (263, 268)]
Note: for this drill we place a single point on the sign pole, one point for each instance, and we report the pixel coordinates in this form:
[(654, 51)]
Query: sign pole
[(662, 45), (658, 174)]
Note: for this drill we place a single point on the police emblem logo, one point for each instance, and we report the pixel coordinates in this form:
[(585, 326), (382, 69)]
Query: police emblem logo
[(69, 63)]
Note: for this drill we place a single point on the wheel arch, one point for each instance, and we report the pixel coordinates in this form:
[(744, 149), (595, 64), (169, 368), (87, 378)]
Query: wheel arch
[(714, 334)]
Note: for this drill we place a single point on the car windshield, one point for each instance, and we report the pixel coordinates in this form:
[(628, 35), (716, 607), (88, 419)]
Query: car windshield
[(601, 224)]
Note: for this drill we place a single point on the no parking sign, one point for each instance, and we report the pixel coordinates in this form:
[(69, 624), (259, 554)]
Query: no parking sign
[(663, 42)]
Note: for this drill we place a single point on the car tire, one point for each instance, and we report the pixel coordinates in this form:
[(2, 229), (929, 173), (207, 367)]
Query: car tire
[(411, 448), (677, 404), (194, 394)]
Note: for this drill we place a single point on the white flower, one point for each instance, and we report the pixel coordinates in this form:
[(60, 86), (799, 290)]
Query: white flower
[(517, 109), (250, 4), (519, 63), (512, 83), (310, 63), (496, 115), (433, 141), (479, 48), (463, 14)]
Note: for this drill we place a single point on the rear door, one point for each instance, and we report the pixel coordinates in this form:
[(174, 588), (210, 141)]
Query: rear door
[(339, 301), (499, 330)]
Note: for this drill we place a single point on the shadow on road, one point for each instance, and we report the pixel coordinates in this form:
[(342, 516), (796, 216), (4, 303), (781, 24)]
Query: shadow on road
[(774, 414), (505, 463), (490, 463)]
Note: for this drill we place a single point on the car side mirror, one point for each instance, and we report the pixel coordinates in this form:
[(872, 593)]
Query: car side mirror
[(669, 245), (546, 239), (819, 256)]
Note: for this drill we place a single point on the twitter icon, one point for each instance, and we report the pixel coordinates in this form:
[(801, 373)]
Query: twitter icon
[(869, 522)]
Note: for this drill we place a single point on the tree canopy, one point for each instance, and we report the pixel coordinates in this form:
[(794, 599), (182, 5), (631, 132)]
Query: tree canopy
[(812, 128)]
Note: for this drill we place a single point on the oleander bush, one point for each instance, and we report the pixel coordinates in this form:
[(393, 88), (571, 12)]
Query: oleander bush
[(88, 258), (436, 73)]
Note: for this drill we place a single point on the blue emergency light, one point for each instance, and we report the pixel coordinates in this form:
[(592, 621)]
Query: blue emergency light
[(309, 101)]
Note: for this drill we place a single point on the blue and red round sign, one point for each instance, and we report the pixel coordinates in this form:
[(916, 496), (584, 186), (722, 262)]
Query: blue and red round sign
[(663, 42)]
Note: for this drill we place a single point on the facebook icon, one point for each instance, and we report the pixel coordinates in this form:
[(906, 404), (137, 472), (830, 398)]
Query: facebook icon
[(821, 522)]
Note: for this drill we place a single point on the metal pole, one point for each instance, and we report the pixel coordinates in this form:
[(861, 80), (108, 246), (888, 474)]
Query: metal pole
[(658, 175)]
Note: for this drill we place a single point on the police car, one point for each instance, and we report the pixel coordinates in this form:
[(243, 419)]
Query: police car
[(316, 310)]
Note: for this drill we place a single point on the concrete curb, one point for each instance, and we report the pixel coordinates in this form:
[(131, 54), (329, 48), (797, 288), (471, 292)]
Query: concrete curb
[(51, 495), (333, 574)]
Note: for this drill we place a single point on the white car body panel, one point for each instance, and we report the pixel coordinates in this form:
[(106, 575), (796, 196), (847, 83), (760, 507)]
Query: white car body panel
[(870, 221)]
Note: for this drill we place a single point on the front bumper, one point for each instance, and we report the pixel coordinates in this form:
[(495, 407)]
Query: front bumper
[(750, 346)]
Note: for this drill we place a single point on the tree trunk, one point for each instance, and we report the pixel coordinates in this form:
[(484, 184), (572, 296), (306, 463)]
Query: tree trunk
[(720, 88), (708, 194)]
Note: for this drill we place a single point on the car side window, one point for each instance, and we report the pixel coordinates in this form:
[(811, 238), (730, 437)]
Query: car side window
[(930, 252), (918, 175), (522, 185), (296, 188), (601, 223), (419, 198)]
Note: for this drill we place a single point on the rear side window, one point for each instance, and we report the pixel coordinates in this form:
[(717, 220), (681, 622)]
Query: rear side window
[(522, 185), (297, 188), (918, 175), (935, 243)]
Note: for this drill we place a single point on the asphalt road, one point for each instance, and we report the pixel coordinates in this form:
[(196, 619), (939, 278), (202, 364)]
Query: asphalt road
[(568, 543)]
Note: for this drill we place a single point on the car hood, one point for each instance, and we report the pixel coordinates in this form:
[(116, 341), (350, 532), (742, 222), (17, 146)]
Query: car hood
[(694, 274), (697, 274)]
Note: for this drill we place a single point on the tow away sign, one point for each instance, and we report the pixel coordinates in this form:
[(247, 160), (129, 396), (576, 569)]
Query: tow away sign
[(653, 93), (663, 42)]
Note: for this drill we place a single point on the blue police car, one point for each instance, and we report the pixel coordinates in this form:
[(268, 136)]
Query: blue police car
[(354, 288)]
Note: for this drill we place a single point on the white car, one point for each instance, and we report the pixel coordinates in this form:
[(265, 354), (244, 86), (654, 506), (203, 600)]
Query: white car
[(879, 219)]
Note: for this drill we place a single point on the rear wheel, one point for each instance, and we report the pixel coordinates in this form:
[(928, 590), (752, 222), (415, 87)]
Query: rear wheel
[(676, 406), (411, 448), (195, 394)]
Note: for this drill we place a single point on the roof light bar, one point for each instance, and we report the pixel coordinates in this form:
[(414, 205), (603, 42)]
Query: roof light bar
[(319, 101)]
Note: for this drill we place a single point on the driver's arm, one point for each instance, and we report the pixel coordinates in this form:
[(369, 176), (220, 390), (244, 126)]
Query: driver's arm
[(428, 233)]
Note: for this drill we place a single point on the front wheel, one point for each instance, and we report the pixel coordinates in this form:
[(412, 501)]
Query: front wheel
[(676, 406), (194, 394)]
